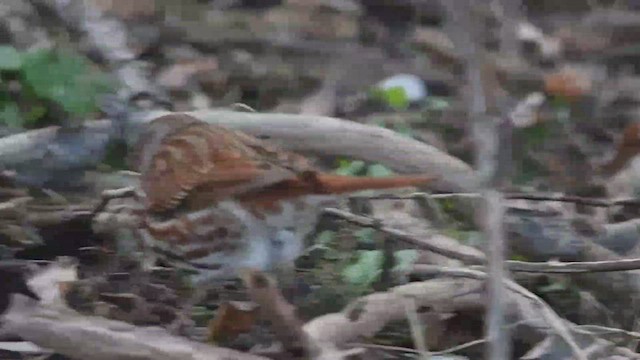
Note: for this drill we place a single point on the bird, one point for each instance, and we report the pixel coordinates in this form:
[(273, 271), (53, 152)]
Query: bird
[(217, 199), (218, 202)]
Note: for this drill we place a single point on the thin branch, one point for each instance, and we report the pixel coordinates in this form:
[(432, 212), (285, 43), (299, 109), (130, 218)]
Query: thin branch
[(552, 267), (604, 330), (575, 199), (417, 332), (471, 256), (468, 256), (469, 344), (511, 196), (575, 267), (492, 140)]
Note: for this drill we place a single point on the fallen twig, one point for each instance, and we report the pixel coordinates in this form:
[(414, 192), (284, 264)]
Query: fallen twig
[(574, 267), (554, 267), (337, 137), (552, 319), (310, 134), (49, 323), (604, 331), (512, 196), (417, 329), (464, 253), (367, 315), (472, 256)]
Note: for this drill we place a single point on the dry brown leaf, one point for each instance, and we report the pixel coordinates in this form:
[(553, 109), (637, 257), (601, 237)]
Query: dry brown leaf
[(568, 83), (232, 319)]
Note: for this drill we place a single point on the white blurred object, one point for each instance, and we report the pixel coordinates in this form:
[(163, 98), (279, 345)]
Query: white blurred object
[(413, 86), (549, 47), (46, 282), (525, 113)]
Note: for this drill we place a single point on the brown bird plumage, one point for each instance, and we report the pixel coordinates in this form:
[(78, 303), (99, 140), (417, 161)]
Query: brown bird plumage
[(218, 199)]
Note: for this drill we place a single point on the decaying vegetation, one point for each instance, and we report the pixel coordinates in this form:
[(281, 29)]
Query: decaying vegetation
[(525, 247)]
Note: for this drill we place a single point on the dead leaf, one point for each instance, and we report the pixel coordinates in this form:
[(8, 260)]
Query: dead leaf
[(568, 83), (232, 319)]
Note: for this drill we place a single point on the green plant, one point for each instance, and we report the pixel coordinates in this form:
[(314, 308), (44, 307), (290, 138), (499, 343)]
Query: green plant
[(367, 267), (395, 97), (359, 168), (33, 84), (365, 270)]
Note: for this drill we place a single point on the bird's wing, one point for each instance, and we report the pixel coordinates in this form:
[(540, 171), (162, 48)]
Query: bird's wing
[(221, 163)]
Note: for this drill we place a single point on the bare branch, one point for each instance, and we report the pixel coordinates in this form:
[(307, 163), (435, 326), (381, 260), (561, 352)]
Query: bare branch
[(336, 137), (574, 267), (579, 267), (309, 134), (491, 136), (367, 315), (472, 256), (513, 196), (466, 254)]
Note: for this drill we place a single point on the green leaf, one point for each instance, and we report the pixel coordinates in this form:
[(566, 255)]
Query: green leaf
[(365, 235), (378, 170), (10, 58), (65, 78), (10, 116), (519, 257), (322, 242), (350, 168), (404, 259), (536, 135), (396, 97), (325, 237), (36, 112), (366, 270)]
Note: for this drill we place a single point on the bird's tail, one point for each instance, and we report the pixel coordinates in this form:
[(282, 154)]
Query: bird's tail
[(338, 184)]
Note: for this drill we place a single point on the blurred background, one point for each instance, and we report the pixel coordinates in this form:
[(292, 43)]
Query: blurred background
[(74, 73), (387, 63)]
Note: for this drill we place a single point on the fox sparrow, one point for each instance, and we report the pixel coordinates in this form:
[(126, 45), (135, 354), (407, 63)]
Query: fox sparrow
[(216, 200)]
